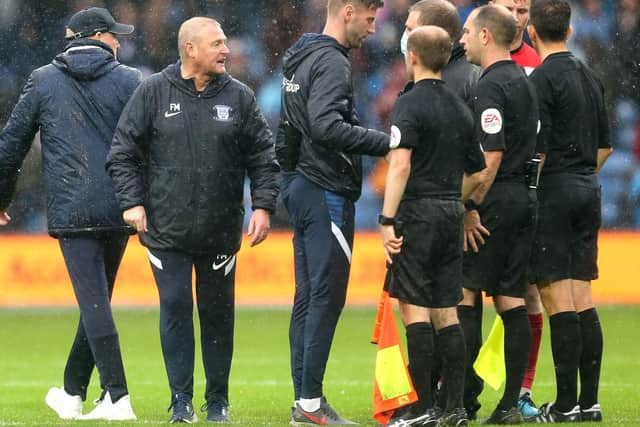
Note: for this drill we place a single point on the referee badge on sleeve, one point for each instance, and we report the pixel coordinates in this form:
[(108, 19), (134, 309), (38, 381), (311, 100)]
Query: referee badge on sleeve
[(491, 121), (396, 136)]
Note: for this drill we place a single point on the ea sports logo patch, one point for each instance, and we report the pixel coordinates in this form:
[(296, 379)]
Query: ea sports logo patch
[(222, 113), (396, 136), (491, 121)]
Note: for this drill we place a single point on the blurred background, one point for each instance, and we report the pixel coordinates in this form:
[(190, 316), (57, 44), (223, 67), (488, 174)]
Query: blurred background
[(606, 35)]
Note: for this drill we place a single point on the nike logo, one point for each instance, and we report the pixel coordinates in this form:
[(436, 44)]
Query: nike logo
[(217, 266), (168, 114), (321, 421)]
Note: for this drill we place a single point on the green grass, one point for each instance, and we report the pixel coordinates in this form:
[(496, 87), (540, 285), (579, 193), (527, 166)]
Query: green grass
[(34, 344)]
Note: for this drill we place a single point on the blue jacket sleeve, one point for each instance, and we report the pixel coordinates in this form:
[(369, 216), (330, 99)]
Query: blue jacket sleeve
[(330, 111), (16, 139)]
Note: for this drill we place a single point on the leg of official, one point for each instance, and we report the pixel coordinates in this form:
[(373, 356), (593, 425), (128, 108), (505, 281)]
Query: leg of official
[(299, 312), (85, 260), (328, 243), (453, 353), (517, 338), (172, 273), (592, 344), (470, 315), (566, 340), (534, 313), (216, 309), (420, 345)]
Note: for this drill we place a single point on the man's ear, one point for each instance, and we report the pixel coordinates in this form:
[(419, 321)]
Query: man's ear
[(569, 33), (532, 33), (349, 11), (485, 36)]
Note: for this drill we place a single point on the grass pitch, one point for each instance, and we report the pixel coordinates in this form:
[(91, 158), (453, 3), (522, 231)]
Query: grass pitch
[(34, 345)]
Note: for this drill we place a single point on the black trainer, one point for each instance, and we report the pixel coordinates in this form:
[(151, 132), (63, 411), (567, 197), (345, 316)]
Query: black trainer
[(325, 415), (591, 414), (549, 414), (411, 417), (455, 418), (217, 412), (505, 416), (182, 410)]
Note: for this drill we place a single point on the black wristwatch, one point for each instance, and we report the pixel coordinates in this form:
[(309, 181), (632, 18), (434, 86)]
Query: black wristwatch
[(385, 220), (470, 205)]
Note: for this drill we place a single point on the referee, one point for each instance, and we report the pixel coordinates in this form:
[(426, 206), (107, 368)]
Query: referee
[(575, 138), (433, 146), (505, 107)]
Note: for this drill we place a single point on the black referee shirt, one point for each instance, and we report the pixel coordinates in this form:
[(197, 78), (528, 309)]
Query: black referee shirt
[(573, 116), (506, 113), (437, 126)]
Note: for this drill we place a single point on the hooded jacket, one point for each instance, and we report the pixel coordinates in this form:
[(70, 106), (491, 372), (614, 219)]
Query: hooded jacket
[(183, 155), (460, 75), (75, 103), (317, 100)]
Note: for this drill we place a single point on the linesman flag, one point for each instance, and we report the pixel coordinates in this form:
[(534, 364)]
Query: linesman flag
[(393, 387), (489, 364)]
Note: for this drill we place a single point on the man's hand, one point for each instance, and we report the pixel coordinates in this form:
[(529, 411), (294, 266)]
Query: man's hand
[(390, 241), (137, 218), (258, 226), (4, 218), (473, 231)]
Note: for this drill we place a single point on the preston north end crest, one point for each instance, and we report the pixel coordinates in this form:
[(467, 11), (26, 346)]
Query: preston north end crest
[(222, 113)]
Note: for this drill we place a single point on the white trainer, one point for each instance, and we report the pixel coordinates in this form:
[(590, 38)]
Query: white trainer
[(106, 410), (66, 406)]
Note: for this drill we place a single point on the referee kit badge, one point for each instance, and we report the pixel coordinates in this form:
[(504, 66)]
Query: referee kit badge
[(491, 121)]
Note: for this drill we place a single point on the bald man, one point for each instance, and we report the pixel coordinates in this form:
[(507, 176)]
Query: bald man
[(499, 217), (179, 156), (434, 162)]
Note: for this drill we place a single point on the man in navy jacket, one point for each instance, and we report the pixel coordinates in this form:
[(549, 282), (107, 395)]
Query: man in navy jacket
[(75, 103)]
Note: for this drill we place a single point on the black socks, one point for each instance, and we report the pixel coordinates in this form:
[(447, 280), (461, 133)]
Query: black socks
[(566, 347), (420, 343), (591, 357), (517, 340), (453, 353)]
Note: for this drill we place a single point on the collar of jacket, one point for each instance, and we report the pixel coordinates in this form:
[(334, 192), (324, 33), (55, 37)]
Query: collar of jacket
[(172, 73), (456, 53), (88, 42)]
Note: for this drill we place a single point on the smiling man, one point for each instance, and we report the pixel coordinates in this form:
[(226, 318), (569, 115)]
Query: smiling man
[(180, 153)]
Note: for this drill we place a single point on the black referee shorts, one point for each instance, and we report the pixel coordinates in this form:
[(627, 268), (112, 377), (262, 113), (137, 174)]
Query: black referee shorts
[(500, 267), (428, 270), (569, 217)]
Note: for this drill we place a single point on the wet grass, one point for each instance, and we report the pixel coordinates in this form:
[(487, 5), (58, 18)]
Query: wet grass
[(34, 344)]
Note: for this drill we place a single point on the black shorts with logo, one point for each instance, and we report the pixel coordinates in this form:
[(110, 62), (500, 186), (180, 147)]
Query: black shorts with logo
[(569, 217), (500, 267), (428, 270)]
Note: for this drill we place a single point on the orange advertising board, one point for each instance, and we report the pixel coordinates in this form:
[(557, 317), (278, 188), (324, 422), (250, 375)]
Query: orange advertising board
[(32, 272)]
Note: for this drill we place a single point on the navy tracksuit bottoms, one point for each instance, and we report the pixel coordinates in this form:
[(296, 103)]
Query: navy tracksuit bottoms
[(322, 243), (215, 286), (92, 263)]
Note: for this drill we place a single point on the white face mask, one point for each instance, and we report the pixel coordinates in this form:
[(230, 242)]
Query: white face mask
[(403, 43)]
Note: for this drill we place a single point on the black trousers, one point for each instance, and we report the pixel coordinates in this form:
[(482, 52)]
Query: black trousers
[(215, 285), (92, 264), (322, 243)]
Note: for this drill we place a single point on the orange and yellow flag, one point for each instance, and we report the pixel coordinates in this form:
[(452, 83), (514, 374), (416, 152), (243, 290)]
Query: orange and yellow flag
[(393, 387)]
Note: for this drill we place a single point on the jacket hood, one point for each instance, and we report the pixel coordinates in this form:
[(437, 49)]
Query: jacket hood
[(305, 46), (86, 59), (188, 86), (457, 52)]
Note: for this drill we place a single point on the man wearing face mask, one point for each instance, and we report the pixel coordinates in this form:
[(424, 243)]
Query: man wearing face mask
[(75, 103), (459, 74)]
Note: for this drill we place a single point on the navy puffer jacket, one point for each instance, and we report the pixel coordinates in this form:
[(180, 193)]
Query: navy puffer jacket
[(75, 103)]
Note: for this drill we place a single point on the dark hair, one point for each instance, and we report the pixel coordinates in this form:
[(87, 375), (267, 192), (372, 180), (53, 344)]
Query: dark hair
[(432, 45), (334, 5), (502, 25), (440, 13), (551, 19)]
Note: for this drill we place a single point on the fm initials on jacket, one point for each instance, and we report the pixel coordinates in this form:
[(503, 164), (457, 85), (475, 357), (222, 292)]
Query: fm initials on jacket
[(174, 110)]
